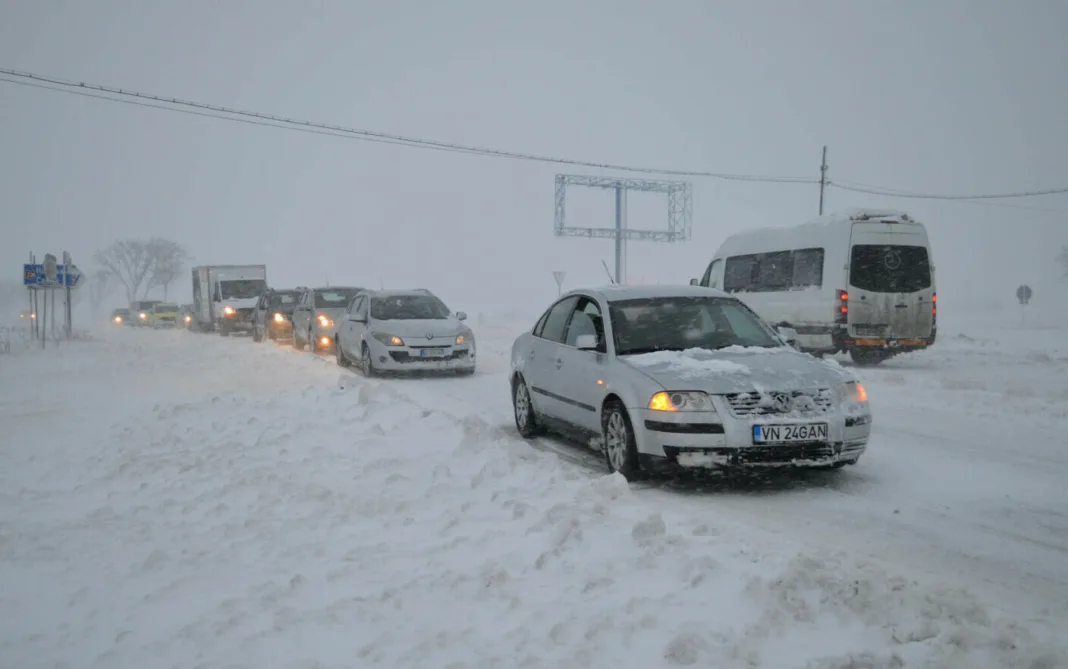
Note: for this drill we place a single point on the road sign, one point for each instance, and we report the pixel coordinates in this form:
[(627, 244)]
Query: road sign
[(1023, 294), (35, 276), (559, 276), (50, 268)]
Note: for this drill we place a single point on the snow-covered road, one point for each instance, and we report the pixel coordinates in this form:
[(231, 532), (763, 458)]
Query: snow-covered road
[(179, 500)]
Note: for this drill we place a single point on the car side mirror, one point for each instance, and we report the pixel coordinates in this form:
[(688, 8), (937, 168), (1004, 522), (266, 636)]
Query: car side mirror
[(461, 315), (695, 282), (789, 336), (586, 342)]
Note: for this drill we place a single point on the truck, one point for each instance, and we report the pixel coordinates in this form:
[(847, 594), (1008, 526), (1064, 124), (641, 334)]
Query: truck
[(224, 297)]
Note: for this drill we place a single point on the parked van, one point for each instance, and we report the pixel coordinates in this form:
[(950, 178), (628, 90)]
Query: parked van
[(862, 282)]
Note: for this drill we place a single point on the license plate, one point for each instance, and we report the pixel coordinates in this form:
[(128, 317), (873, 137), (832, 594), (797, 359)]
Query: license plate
[(431, 352), (871, 342), (790, 434)]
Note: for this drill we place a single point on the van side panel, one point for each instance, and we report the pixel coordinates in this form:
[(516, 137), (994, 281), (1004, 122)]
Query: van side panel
[(788, 276), (891, 282)]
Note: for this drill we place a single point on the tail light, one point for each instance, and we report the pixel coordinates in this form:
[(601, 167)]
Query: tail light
[(841, 315), (934, 309)]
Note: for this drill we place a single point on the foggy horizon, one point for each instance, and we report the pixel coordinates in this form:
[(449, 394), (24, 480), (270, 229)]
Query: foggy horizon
[(955, 107)]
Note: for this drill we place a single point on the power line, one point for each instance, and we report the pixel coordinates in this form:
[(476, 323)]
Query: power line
[(984, 202), (135, 98), (224, 113), (877, 190)]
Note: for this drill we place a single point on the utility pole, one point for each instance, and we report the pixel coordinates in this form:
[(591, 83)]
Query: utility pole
[(823, 177)]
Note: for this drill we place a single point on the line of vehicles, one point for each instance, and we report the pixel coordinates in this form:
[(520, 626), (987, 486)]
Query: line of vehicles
[(724, 372)]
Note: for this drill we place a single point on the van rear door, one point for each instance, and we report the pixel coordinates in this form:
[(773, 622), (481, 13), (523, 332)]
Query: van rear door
[(891, 282)]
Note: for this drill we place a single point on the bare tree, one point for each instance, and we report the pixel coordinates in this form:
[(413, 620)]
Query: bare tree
[(169, 259), (101, 285), (130, 261)]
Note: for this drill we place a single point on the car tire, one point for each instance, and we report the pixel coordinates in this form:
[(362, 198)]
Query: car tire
[(256, 336), (620, 446), (367, 364), (339, 355), (526, 421), (313, 343)]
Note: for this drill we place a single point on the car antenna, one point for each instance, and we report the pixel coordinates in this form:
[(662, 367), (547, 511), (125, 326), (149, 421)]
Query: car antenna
[(610, 279)]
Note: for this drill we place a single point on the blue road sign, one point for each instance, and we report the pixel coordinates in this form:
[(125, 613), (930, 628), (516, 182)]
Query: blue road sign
[(34, 276)]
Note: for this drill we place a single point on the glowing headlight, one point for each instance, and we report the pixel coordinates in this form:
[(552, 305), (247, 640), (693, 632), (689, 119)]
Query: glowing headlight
[(690, 400), (279, 318), (853, 392), (228, 310), (325, 322), (465, 338), (388, 339), (118, 319), (143, 316), (188, 319)]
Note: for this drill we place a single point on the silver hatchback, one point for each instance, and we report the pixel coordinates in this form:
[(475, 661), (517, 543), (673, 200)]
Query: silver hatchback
[(662, 377)]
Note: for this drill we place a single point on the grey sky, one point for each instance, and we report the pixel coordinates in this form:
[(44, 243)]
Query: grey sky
[(953, 96)]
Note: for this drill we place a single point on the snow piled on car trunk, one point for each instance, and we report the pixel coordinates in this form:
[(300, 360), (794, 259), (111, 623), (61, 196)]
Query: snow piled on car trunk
[(179, 500)]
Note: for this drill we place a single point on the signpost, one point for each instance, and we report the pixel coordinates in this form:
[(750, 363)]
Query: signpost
[(559, 276), (49, 276)]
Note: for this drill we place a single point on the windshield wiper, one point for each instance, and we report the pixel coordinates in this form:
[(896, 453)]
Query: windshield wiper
[(648, 349)]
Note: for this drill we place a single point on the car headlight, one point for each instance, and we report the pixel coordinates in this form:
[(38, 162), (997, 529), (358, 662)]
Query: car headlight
[(279, 318), (465, 337), (188, 319), (686, 400), (118, 319), (852, 393), (325, 322), (229, 311), (388, 339)]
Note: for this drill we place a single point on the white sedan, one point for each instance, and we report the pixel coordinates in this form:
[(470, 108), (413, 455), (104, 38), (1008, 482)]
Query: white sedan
[(664, 377), (403, 331)]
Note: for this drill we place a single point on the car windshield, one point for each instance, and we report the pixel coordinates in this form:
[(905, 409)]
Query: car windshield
[(242, 289), (680, 323), (121, 312), (165, 308), (284, 300), (335, 298), (881, 268), (408, 307)]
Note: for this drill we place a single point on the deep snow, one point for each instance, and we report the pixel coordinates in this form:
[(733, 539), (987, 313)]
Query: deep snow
[(179, 500)]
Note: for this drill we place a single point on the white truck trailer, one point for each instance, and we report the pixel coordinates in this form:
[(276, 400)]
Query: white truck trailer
[(224, 296)]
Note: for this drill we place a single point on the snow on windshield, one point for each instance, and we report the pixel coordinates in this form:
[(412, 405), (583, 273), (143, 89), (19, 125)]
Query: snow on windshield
[(680, 323), (691, 363)]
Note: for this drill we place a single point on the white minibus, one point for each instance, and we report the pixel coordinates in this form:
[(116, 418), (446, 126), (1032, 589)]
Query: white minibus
[(861, 282)]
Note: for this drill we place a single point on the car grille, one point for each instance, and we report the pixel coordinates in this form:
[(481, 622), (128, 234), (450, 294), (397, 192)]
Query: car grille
[(743, 405)]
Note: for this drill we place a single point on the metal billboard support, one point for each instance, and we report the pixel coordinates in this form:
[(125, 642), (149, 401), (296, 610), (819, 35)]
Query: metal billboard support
[(679, 214)]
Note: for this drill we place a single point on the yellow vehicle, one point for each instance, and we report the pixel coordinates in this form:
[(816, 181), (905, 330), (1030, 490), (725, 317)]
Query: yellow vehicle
[(163, 315)]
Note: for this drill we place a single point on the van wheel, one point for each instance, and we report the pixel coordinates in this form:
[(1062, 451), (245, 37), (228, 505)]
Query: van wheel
[(864, 358)]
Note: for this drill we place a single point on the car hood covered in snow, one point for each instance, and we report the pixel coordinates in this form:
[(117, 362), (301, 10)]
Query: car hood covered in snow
[(737, 369)]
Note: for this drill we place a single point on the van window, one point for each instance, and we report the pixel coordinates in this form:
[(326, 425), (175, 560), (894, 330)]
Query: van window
[(880, 268), (772, 272), (709, 279), (808, 268)]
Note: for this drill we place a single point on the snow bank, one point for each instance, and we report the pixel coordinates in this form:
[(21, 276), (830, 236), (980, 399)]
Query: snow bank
[(214, 503)]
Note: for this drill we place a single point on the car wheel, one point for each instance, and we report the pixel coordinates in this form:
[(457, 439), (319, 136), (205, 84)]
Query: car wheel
[(526, 422), (366, 363), (342, 361), (256, 336), (313, 342), (620, 447), (298, 345)]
